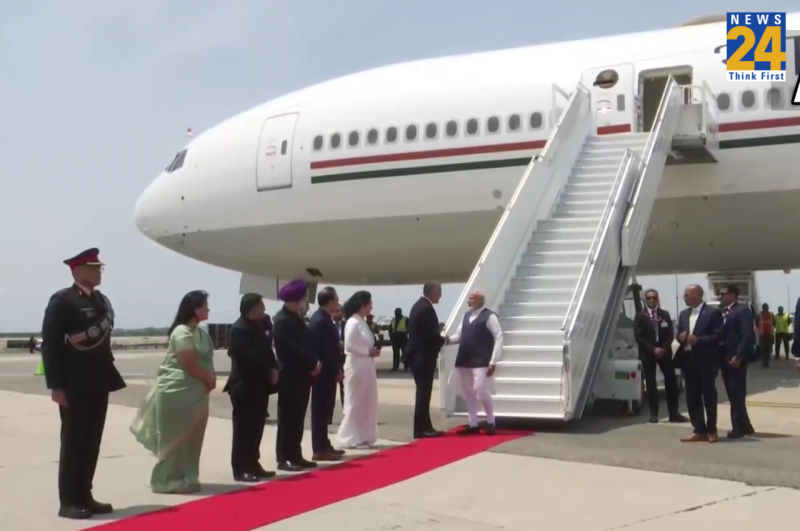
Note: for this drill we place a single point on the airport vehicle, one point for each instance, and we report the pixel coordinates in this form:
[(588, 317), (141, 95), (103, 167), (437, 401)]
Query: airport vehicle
[(632, 149)]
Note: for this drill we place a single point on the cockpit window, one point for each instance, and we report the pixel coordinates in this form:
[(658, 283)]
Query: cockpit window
[(177, 163)]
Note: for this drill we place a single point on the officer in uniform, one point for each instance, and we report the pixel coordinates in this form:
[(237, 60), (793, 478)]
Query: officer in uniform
[(80, 374)]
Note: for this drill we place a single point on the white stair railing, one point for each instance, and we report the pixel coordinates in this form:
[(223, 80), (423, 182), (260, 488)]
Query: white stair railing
[(653, 161), (532, 201)]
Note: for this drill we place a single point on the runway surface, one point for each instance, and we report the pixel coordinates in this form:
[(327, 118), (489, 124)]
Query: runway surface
[(607, 438)]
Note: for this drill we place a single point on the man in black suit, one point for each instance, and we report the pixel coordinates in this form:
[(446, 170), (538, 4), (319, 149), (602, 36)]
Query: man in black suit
[(327, 346), (700, 333), (254, 374), (338, 320), (266, 325), (424, 343), (652, 329), (738, 349)]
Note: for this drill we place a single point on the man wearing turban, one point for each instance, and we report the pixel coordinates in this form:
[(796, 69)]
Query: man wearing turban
[(298, 368)]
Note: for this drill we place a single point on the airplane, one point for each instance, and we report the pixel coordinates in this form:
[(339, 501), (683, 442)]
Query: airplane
[(399, 175)]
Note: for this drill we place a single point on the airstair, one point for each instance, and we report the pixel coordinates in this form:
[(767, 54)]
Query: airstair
[(558, 264)]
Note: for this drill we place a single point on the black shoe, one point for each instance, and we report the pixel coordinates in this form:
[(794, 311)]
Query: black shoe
[(468, 430), (749, 431), (74, 512), (97, 507), (678, 419), (428, 434), (735, 434), (653, 419), (304, 463), (247, 477), (263, 474), (489, 429), (286, 466)]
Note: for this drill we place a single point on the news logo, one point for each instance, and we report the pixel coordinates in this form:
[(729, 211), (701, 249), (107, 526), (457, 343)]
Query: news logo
[(756, 47)]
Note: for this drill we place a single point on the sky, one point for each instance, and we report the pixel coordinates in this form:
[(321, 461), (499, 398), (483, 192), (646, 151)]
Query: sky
[(96, 97)]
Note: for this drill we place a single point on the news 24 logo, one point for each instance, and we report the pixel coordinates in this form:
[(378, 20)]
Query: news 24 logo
[(756, 47)]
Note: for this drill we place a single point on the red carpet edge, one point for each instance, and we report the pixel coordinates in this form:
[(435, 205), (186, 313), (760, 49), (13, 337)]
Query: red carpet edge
[(267, 503)]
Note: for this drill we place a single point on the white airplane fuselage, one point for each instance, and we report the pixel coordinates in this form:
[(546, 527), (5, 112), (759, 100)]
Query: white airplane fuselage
[(259, 194)]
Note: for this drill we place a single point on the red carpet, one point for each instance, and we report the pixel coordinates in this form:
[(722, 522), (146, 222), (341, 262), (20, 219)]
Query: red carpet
[(255, 507)]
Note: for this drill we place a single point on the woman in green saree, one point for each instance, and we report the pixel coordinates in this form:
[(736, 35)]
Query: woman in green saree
[(172, 421)]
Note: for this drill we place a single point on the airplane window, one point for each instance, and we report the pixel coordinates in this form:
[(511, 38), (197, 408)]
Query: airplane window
[(514, 122), (178, 162), (352, 139), (430, 130), (284, 145), (493, 124), (318, 141), (472, 126), (451, 129), (336, 140), (391, 135), (411, 133), (535, 120), (748, 99), (372, 136), (723, 101), (774, 99)]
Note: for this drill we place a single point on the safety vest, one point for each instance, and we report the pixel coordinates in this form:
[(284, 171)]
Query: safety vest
[(400, 326), (766, 323), (782, 323)]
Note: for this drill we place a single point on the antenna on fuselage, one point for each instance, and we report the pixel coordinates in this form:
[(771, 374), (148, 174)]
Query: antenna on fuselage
[(190, 132)]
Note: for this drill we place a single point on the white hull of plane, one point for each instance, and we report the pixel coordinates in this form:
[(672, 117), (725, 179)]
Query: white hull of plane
[(255, 194)]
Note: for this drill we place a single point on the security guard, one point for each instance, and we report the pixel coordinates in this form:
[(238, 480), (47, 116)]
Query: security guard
[(80, 373)]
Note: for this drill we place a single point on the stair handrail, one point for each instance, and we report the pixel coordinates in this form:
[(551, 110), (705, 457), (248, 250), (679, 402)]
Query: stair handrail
[(568, 323), (545, 158), (646, 187)]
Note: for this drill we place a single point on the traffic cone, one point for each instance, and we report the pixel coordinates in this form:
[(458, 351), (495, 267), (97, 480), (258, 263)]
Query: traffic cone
[(40, 368)]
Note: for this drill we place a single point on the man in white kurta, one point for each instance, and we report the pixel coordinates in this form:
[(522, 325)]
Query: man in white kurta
[(480, 341)]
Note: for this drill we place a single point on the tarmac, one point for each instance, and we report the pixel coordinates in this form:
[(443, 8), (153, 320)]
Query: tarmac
[(608, 472)]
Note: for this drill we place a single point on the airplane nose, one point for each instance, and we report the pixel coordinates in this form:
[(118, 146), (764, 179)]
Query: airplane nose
[(141, 212)]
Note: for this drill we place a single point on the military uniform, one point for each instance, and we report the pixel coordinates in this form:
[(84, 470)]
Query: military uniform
[(78, 361)]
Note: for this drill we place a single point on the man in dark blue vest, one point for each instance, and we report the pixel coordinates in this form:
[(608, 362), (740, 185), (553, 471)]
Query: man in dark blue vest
[(480, 343)]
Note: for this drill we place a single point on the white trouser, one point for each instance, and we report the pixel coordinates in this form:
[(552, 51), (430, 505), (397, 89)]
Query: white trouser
[(476, 387)]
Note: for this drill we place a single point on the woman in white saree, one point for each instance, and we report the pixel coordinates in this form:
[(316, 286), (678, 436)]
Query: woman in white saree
[(359, 429)]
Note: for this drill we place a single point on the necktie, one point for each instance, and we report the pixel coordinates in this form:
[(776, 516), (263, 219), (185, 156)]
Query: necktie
[(655, 321)]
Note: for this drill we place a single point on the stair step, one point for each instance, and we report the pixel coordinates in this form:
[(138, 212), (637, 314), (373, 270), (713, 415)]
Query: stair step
[(540, 407), (590, 173), (540, 308), (609, 156), (527, 386), (550, 270), (554, 257), (563, 235), (581, 166), (556, 245), (606, 150), (530, 369), (580, 185), (533, 353), (542, 295), (574, 223), (549, 323), (533, 338), (582, 195), (553, 286), (577, 208)]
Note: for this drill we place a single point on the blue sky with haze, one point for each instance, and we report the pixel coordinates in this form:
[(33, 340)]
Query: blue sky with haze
[(96, 96)]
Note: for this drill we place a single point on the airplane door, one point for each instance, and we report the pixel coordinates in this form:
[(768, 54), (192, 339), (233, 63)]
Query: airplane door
[(613, 97), (274, 163)]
